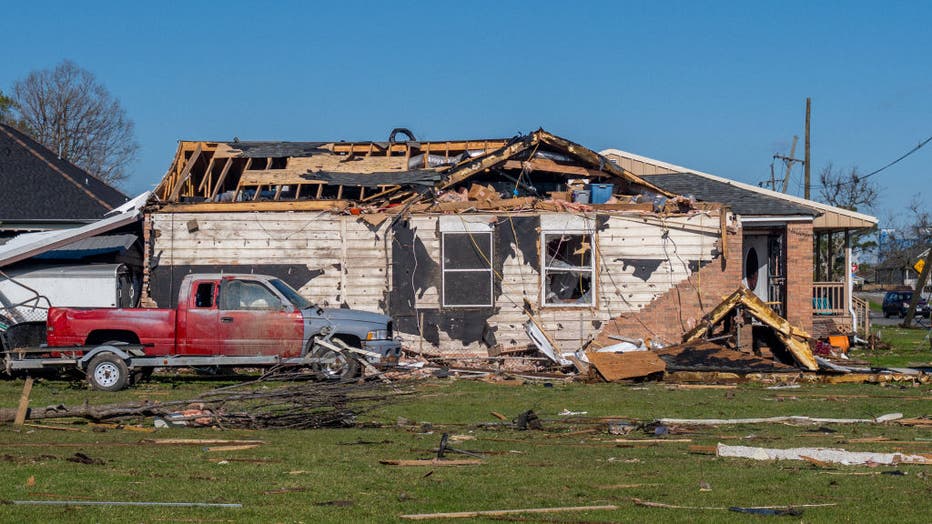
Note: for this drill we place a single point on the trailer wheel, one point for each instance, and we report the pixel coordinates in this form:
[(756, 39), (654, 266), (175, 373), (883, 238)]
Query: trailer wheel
[(334, 365), (108, 372)]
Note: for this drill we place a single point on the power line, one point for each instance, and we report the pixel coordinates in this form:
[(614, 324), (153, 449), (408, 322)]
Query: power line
[(911, 151)]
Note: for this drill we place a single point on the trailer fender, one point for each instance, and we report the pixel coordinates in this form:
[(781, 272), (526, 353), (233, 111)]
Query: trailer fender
[(106, 348)]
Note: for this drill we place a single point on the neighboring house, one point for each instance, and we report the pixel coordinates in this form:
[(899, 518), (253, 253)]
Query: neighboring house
[(458, 240), (784, 241), (42, 192), (56, 227)]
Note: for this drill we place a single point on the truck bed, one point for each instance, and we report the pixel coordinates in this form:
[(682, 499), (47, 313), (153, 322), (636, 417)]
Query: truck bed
[(85, 326)]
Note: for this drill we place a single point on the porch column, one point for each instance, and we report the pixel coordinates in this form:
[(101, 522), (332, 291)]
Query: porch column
[(818, 257), (849, 283), (829, 269)]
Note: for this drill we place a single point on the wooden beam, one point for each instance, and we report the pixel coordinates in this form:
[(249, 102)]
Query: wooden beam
[(548, 165), (591, 157), (185, 173), (229, 207), (23, 408), (482, 163), (221, 178)]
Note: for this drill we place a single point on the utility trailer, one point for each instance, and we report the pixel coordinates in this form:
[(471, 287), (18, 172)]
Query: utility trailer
[(239, 320)]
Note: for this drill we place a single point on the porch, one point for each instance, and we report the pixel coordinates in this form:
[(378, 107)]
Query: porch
[(835, 309)]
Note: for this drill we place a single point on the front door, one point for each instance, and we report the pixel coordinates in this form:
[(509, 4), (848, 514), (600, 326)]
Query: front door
[(764, 267), (255, 321)]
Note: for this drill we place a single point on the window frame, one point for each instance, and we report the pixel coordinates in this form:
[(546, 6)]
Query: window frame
[(593, 269), (444, 270)]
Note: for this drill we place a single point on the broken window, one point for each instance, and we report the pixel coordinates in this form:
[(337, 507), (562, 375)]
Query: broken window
[(204, 296), (568, 270), (467, 269), (243, 295)]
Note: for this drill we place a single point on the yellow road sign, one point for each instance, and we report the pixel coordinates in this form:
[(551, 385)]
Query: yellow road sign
[(919, 265)]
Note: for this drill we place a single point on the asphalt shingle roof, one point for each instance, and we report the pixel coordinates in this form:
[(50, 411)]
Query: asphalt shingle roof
[(742, 201), (37, 185)]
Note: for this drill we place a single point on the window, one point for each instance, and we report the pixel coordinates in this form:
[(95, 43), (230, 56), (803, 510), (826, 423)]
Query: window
[(204, 295), (244, 294), (467, 269), (568, 269)]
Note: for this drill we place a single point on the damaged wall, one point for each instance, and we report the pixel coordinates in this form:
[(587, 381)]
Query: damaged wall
[(337, 261), (577, 271)]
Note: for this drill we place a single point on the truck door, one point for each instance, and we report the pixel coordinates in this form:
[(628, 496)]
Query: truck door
[(197, 324), (254, 321)]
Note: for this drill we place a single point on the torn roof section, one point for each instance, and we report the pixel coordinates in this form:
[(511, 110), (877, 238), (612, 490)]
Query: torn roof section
[(378, 176)]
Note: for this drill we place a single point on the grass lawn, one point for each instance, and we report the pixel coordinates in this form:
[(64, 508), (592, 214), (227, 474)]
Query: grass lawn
[(334, 475), (909, 347)]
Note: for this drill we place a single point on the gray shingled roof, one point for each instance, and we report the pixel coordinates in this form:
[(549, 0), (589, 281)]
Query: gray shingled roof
[(742, 201), (37, 185)]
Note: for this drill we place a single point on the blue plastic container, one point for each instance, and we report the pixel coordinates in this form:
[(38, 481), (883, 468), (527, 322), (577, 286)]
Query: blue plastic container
[(601, 192)]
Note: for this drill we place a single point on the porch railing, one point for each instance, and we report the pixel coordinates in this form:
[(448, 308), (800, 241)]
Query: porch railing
[(862, 312), (828, 298)]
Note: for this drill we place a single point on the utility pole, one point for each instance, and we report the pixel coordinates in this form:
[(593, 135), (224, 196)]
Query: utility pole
[(808, 158), (789, 160)]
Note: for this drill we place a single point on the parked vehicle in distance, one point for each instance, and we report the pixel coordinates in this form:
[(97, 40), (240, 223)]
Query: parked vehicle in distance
[(897, 303), (229, 320)]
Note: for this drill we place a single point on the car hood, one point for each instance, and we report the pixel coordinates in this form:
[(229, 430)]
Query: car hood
[(354, 315)]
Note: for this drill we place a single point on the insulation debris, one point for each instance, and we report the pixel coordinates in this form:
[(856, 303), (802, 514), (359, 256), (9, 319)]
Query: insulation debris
[(829, 455)]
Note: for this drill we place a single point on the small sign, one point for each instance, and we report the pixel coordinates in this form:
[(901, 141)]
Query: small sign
[(919, 265)]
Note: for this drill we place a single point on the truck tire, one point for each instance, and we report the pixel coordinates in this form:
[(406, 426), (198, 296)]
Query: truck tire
[(107, 372), (335, 366)]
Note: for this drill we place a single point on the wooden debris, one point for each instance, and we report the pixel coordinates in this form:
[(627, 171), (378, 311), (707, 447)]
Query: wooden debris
[(650, 440), (23, 403), (499, 512), (792, 419), (431, 462), (620, 366), (649, 504), (822, 455), (231, 448), (498, 415), (55, 428), (199, 442), (794, 338)]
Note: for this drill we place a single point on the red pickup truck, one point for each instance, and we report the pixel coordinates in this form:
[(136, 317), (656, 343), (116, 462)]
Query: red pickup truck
[(220, 320)]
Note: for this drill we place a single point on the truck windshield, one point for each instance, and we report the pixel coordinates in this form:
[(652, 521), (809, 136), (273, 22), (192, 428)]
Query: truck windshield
[(292, 295)]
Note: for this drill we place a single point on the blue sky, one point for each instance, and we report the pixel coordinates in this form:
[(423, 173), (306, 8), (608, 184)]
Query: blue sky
[(718, 87)]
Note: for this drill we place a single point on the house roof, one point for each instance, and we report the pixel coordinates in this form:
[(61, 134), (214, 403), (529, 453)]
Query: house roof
[(828, 217), (740, 200), (39, 186), (520, 172)]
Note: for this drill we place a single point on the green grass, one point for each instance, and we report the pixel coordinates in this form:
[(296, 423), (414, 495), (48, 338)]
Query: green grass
[(908, 347), (563, 465)]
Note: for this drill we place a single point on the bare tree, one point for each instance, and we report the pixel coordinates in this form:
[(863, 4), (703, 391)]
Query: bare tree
[(847, 190), (70, 112)]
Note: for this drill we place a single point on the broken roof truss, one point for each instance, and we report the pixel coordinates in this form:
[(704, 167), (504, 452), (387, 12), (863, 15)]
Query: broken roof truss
[(517, 173)]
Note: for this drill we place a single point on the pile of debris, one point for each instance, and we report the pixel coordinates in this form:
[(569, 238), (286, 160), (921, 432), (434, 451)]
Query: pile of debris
[(252, 405)]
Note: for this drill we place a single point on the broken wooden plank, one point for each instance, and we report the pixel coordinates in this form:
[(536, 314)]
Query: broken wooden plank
[(500, 512), (779, 420), (431, 462), (23, 403), (185, 174), (224, 207), (620, 366), (231, 448), (198, 442), (828, 455)]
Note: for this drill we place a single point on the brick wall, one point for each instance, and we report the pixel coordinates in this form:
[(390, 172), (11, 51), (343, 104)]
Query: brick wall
[(799, 268), (676, 311)]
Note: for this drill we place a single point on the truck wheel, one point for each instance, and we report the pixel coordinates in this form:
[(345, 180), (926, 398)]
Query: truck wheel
[(333, 365), (107, 372)]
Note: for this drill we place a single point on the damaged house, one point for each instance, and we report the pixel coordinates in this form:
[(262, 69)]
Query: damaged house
[(459, 241)]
